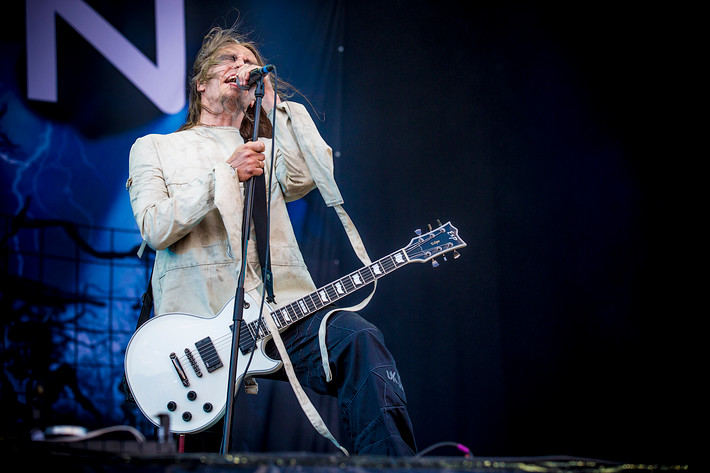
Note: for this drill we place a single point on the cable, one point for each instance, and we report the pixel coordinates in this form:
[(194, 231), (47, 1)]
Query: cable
[(140, 438), (463, 448)]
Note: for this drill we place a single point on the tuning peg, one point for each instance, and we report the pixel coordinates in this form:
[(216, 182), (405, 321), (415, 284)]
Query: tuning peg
[(418, 232), (438, 222), (456, 254), (434, 263), (429, 225)]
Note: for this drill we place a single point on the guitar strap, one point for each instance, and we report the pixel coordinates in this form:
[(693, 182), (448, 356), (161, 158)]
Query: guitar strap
[(313, 148), (146, 302), (359, 248), (306, 404), (146, 308), (259, 216)]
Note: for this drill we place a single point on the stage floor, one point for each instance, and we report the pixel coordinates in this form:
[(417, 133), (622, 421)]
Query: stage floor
[(109, 456)]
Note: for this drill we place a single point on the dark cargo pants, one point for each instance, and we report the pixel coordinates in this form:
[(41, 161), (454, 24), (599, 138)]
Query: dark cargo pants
[(371, 398)]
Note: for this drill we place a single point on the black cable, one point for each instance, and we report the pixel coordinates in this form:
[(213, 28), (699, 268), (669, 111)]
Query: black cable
[(463, 448)]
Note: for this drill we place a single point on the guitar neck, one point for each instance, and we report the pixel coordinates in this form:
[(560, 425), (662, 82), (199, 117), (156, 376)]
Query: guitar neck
[(328, 294), (422, 248)]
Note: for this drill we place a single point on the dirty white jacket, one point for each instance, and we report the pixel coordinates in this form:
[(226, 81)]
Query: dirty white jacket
[(188, 202)]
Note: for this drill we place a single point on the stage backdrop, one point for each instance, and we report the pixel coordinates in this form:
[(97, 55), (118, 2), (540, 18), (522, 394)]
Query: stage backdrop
[(528, 128)]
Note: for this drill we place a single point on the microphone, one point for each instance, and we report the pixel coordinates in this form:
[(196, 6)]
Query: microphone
[(257, 74)]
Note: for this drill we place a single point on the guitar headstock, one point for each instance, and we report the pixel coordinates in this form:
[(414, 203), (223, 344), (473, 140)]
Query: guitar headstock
[(438, 241)]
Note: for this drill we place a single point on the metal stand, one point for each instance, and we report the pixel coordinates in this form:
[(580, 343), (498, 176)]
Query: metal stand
[(239, 297)]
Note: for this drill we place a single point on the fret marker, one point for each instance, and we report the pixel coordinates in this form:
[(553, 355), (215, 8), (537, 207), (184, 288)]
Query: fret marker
[(284, 312), (304, 309), (376, 268), (356, 279), (398, 258), (323, 296), (339, 288)]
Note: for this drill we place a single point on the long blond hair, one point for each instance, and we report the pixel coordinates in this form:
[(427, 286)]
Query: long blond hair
[(216, 39)]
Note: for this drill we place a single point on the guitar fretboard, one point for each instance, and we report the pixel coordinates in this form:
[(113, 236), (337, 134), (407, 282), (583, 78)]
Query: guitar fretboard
[(320, 298), (423, 248)]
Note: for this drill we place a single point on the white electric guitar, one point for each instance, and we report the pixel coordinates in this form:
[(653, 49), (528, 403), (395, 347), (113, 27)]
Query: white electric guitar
[(178, 364)]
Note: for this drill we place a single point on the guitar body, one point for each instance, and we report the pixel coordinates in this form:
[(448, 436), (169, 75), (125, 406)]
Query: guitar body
[(178, 364), (190, 389)]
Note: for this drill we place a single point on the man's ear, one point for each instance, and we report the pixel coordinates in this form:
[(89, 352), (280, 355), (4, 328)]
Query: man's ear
[(201, 86)]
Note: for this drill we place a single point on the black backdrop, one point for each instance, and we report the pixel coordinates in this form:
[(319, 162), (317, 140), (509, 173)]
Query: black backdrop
[(542, 133), (539, 132)]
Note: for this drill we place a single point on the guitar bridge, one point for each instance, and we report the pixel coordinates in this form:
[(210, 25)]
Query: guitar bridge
[(178, 367), (193, 363)]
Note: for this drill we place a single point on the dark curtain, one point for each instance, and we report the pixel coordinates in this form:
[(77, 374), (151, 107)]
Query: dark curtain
[(541, 133)]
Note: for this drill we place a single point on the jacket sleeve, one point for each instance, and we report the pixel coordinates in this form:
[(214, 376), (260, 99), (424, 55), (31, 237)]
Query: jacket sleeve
[(165, 211), (306, 159)]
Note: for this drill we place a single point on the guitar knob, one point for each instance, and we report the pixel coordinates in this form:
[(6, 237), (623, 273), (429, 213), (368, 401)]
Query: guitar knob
[(187, 416), (207, 407), (172, 406), (191, 395)]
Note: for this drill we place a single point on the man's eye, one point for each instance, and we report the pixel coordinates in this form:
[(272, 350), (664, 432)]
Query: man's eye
[(228, 58)]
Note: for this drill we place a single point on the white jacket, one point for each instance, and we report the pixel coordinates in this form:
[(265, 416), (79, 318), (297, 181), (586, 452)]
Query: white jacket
[(188, 205)]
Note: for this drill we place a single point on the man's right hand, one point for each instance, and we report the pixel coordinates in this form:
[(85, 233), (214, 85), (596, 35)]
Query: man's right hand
[(248, 160)]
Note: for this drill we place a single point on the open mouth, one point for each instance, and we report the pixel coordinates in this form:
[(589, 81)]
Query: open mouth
[(231, 80)]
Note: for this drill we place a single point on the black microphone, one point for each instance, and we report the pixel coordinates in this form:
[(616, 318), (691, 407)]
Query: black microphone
[(257, 74)]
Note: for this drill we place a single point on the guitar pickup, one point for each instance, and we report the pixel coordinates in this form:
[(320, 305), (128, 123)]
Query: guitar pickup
[(246, 340), (208, 354)]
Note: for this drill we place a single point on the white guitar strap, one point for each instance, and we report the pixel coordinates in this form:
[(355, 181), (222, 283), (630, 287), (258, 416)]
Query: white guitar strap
[(359, 248), (306, 404), (315, 150)]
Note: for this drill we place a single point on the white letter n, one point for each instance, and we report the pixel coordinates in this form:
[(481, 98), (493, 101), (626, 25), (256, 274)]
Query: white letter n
[(163, 83)]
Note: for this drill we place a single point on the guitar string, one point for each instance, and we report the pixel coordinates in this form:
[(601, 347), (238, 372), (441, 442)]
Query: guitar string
[(219, 343)]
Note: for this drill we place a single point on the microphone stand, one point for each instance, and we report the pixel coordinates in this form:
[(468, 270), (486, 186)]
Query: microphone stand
[(239, 297)]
